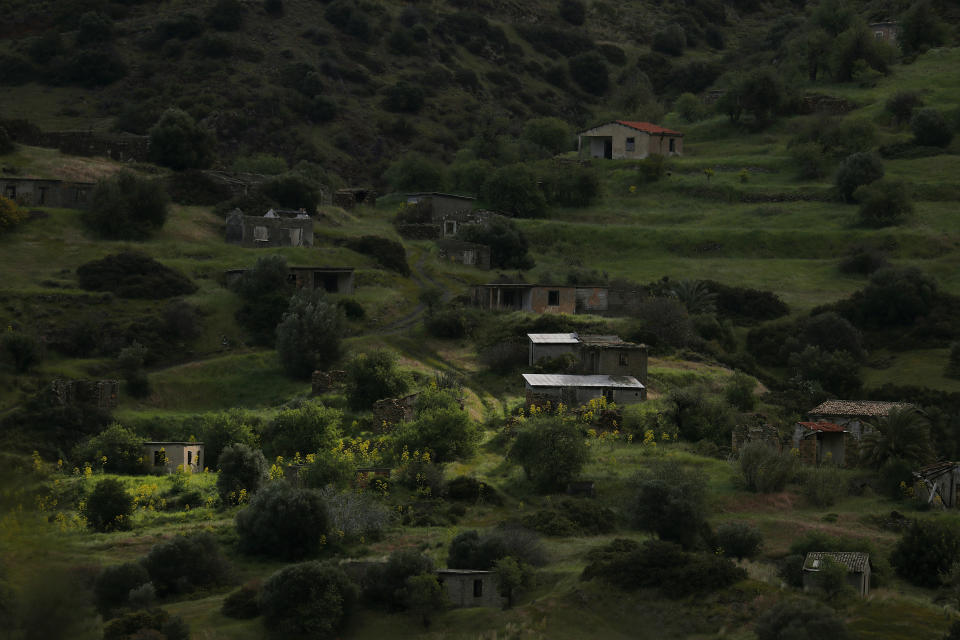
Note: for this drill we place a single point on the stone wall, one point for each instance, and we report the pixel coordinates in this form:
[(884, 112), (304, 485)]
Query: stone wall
[(323, 381)]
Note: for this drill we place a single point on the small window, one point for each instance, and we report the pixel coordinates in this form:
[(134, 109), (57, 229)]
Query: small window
[(158, 457), (189, 457), (673, 145), (450, 228), (631, 144), (878, 35), (553, 298), (469, 256), (624, 359), (477, 588), (261, 234)]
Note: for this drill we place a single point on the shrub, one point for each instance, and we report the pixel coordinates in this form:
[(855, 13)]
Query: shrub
[(883, 203), (857, 170), (514, 189), (836, 371), (690, 107), (739, 391), (551, 451), (11, 214), (573, 11), (799, 619), (670, 40), (94, 67), (293, 192), (311, 599), (699, 417), (662, 323), (265, 292), (670, 500), (589, 70), (448, 433), (810, 161), (571, 186), (126, 207), (120, 446), (763, 469), (358, 515), (176, 141), (739, 540), (415, 172), (389, 253), (94, 27), (308, 336), (403, 98), (112, 587), (374, 376), (507, 242), (220, 430), (130, 361), (147, 624), (384, 584), (553, 134), (864, 260), (243, 603), (108, 507), (921, 28), (226, 15), (470, 550), (242, 469), (282, 521), (900, 105), (930, 128), (131, 274), (746, 305), (823, 486), (307, 428), (21, 350), (186, 562)]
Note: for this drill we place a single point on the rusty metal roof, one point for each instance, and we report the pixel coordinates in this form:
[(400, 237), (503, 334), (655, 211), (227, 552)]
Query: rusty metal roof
[(823, 426), (855, 561), (562, 380)]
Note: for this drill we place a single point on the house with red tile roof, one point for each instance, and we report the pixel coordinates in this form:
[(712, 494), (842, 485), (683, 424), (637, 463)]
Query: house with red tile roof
[(625, 139)]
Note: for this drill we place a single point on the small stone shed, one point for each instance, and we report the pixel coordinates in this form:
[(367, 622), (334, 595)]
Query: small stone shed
[(349, 198), (441, 205), (470, 588), (577, 390), (857, 564), (468, 254), (276, 228), (454, 222), (755, 429), (329, 279), (628, 140), (99, 393), (540, 298), (820, 442), (39, 192), (394, 411), (938, 484), (885, 31), (165, 457), (595, 354)]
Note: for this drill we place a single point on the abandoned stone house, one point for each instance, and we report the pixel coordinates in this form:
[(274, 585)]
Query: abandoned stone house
[(276, 228), (388, 412), (329, 279), (835, 429), (38, 192), (856, 563), (166, 457), (577, 390), (756, 429), (440, 205), (470, 588), (99, 393), (938, 485), (469, 254), (540, 298), (451, 224), (350, 198), (593, 354), (626, 140), (885, 31)]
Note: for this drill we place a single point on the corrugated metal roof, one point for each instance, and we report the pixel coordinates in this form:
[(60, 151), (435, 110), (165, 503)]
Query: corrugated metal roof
[(553, 338), (560, 380), (853, 560)]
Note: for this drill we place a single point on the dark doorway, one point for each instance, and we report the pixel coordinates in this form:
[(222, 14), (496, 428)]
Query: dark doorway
[(608, 148)]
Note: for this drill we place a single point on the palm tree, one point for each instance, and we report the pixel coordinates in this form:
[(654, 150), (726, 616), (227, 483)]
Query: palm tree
[(904, 434), (695, 296)]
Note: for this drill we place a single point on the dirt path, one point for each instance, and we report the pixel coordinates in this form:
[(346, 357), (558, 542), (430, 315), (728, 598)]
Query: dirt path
[(424, 282)]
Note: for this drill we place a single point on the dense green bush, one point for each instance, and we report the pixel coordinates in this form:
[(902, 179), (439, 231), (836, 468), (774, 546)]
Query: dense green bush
[(448, 434), (930, 128), (185, 563), (799, 619), (310, 599), (374, 376), (176, 141), (739, 540), (571, 186), (921, 28), (389, 253), (810, 161), (553, 134), (403, 97), (282, 521), (763, 469), (835, 371), (126, 207), (573, 11), (900, 105), (131, 274), (243, 603), (112, 587), (823, 486), (551, 450), (217, 431), (699, 416), (94, 27), (226, 15), (864, 260), (514, 189), (21, 350), (662, 565), (883, 203), (415, 172), (508, 244), (471, 550), (242, 469), (384, 585), (671, 40), (108, 507), (307, 428), (857, 170), (670, 500), (589, 70), (893, 297), (265, 291), (151, 624), (738, 392), (122, 448), (572, 518), (308, 336)]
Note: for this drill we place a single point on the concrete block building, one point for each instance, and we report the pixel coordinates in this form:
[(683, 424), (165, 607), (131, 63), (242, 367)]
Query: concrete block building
[(540, 298), (577, 390), (470, 588), (165, 457), (39, 192), (627, 140), (595, 354), (276, 228)]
